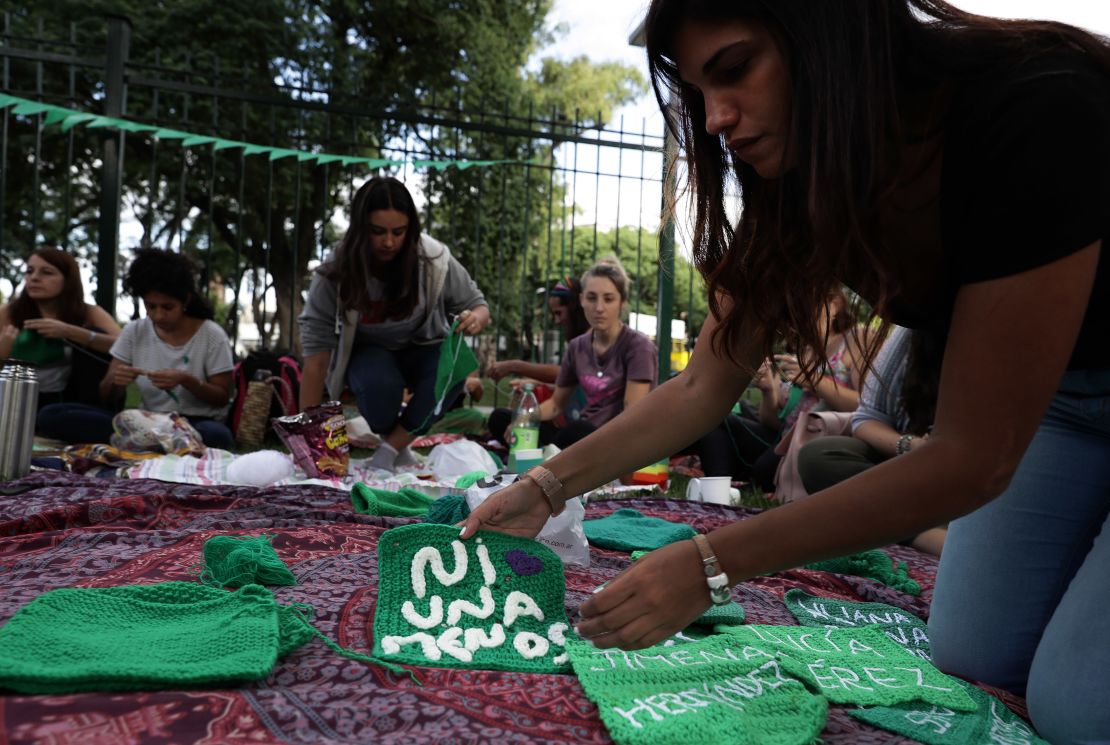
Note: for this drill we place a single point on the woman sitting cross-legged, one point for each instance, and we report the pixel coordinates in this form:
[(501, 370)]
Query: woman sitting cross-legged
[(177, 355), (50, 325), (615, 365)]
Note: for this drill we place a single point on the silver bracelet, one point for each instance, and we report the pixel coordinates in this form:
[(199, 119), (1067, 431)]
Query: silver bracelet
[(92, 337), (903, 445)]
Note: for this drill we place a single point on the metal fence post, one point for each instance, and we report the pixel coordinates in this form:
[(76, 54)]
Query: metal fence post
[(665, 300), (111, 176)]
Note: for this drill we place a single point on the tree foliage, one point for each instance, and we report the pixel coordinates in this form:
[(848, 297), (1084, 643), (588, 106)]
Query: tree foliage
[(432, 79)]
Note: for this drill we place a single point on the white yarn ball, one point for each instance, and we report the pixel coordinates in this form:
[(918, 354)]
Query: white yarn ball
[(261, 468)]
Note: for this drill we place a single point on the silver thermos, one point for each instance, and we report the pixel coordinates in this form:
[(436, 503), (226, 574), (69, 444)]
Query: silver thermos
[(19, 398)]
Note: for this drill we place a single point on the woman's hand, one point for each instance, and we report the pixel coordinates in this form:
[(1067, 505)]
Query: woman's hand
[(169, 379), (659, 595), (519, 509), (124, 375), (474, 320), (765, 378), (51, 328), (790, 367), (502, 369)]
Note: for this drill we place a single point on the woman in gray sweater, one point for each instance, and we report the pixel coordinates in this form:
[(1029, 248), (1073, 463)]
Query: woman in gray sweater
[(376, 314)]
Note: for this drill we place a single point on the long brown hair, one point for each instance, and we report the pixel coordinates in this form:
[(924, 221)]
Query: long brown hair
[(352, 266), (852, 64), (71, 302)]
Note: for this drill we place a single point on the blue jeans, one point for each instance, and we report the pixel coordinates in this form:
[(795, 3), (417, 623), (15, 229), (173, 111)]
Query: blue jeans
[(378, 377), (1023, 585), (81, 423)]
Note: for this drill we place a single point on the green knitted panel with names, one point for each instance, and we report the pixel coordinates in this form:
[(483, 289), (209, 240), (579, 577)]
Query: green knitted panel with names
[(144, 637), (493, 602), (853, 666), (901, 626), (704, 691), (991, 722)]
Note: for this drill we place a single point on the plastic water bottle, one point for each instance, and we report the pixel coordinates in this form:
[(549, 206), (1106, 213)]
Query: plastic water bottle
[(524, 432)]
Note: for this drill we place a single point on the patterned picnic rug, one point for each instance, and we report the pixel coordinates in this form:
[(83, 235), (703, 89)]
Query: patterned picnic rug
[(64, 530)]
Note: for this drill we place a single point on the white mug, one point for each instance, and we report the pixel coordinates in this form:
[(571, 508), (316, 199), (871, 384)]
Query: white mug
[(712, 489)]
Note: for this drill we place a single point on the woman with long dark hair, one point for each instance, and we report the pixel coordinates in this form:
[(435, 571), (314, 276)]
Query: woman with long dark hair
[(955, 171), (50, 325), (376, 314), (177, 355)]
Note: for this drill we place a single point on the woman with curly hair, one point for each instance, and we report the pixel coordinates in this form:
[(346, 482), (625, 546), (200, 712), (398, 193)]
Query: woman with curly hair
[(177, 355)]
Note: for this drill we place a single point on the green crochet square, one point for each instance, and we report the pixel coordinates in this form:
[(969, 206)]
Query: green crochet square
[(407, 502), (991, 722), (493, 602), (901, 626), (705, 691), (853, 666), (141, 637), (628, 530)]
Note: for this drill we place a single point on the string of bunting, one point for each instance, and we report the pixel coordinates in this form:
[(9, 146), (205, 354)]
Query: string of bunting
[(69, 118)]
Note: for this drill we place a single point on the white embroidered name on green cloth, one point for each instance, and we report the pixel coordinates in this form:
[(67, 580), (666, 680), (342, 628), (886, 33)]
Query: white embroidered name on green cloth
[(853, 666), (493, 602), (992, 723), (708, 691), (901, 626)]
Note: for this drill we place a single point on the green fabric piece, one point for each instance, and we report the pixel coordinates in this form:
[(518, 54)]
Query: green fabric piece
[(492, 602), (853, 666), (991, 722), (143, 637), (450, 509), (468, 480), (637, 554), (704, 691), (901, 626), (384, 503), (874, 564), (31, 346), (628, 530), (456, 362), (231, 561)]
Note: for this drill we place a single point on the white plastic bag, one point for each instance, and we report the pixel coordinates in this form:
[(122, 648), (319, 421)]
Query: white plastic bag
[(453, 459), (563, 533)]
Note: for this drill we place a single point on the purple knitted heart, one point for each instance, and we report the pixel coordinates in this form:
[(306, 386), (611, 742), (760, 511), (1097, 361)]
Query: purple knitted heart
[(523, 563)]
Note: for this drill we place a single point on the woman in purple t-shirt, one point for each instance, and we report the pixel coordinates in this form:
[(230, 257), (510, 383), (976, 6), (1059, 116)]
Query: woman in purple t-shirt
[(615, 365)]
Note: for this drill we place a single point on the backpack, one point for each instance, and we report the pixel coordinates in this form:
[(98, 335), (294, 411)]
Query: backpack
[(285, 374)]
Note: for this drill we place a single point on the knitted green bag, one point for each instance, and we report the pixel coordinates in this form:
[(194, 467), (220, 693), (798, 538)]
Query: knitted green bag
[(705, 691), (494, 602), (384, 503), (145, 637), (901, 626), (874, 564), (992, 722), (628, 530), (852, 666)]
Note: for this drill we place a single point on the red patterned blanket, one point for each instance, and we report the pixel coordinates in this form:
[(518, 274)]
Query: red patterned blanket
[(60, 530)]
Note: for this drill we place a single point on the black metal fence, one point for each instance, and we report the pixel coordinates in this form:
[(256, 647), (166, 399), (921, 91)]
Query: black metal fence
[(522, 197)]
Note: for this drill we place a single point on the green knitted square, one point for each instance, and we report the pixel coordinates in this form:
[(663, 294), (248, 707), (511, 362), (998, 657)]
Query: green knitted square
[(706, 691), (853, 666), (140, 637), (407, 502), (874, 564), (494, 602), (628, 530), (901, 626), (991, 722)]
